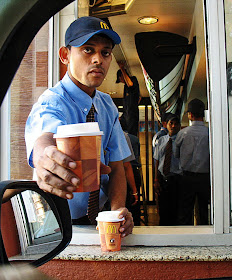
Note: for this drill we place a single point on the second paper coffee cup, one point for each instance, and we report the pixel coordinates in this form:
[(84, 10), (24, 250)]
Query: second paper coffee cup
[(108, 226), (82, 142)]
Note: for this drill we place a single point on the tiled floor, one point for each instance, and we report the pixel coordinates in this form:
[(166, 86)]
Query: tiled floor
[(153, 217)]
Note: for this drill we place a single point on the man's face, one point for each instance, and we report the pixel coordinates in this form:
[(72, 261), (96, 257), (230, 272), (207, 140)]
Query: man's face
[(164, 124), (173, 127), (89, 64)]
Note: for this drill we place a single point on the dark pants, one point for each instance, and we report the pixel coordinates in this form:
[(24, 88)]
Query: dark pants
[(130, 122), (135, 210), (194, 185), (169, 200)]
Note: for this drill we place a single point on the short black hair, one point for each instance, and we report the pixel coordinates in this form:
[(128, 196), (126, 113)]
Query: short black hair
[(164, 116), (197, 108)]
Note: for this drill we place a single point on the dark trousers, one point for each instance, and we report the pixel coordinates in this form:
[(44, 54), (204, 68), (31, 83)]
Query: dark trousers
[(135, 210), (194, 185), (130, 122), (169, 200)]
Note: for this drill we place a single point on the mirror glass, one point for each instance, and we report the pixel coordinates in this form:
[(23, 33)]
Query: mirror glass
[(30, 229)]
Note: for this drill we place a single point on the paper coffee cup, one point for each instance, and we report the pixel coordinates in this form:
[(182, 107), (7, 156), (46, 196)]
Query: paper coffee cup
[(82, 142), (108, 226)]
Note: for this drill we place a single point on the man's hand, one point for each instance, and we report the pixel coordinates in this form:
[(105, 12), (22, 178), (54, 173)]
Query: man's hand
[(135, 198), (128, 224), (55, 169), (55, 173)]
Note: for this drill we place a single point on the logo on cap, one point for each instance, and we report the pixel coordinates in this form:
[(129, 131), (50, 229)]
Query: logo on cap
[(104, 25)]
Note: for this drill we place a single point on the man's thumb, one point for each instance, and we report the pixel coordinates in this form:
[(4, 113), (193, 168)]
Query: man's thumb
[(104, 169)]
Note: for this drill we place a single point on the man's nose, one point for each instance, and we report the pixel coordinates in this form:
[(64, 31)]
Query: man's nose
[(97, 58)]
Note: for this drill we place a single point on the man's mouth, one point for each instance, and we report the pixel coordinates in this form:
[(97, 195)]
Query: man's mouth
[(97, 71)]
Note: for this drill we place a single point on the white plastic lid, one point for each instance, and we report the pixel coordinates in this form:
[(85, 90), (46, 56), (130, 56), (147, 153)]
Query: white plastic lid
[(109, 216), (79, 129)]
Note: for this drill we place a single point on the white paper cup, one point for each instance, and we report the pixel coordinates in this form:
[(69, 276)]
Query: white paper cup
[(108, 226)]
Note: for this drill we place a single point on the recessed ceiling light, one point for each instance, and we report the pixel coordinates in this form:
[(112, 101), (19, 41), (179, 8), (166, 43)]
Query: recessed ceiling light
[(148, 20)]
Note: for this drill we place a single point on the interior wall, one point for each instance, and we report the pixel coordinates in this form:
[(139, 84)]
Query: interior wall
[(199, 65)]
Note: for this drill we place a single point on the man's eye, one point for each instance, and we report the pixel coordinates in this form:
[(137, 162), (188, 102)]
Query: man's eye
[(106, 53), (87, 50)]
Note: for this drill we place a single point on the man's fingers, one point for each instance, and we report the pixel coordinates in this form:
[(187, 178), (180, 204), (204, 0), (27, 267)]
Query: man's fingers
[(127, 228), (136, 199), (51, 170), (128, 224), (46, 180), (59, 192), (59, 157)]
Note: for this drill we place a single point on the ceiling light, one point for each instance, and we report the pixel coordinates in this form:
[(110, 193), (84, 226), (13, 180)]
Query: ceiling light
[(148, 20)]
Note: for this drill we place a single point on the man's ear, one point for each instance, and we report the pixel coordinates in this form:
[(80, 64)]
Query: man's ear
[(64, 54), (190, 116)]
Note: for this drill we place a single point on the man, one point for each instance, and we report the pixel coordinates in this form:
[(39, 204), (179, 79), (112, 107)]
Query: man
[(163, 131), (133, 182), (131, 99), (167, 174), (87, 55), (132, 169), (192, 148)]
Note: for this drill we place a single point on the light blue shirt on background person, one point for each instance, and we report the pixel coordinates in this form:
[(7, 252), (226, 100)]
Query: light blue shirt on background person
[(160, 155), (65, 104), (192, 148)]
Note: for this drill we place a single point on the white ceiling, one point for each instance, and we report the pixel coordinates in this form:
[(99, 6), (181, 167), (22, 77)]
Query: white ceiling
[(174, 16)]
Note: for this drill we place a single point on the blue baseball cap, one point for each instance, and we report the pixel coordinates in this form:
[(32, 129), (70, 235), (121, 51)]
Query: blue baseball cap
[(82, 29)]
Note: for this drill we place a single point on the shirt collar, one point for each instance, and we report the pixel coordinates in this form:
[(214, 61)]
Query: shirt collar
[(81, 98), (198, 123), (172, 137), (163, 128)]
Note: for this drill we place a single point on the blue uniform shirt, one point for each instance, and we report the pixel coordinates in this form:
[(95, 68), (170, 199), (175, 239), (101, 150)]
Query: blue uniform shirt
[(68, 104)]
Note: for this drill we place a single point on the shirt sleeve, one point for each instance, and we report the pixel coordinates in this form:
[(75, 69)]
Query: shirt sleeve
[(132, 156), (156, 150), (44, 117)]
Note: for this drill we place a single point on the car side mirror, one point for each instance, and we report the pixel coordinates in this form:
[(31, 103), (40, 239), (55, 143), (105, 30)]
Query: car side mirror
[(34, 226)]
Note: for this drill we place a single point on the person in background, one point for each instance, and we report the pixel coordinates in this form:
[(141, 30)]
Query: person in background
[(167, 174), (192, 148), (133, 180), (131, 100), (163, 131), (87, 54)]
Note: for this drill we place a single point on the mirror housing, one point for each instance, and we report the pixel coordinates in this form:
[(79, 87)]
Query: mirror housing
[(60, 209)]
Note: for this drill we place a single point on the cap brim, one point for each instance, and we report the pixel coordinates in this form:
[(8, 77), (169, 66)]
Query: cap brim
[(108, 32)]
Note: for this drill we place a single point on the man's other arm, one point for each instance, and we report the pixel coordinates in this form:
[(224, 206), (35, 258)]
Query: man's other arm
[(117, 195)]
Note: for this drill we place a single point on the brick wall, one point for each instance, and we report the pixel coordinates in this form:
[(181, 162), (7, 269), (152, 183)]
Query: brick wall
[(30, 81)]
